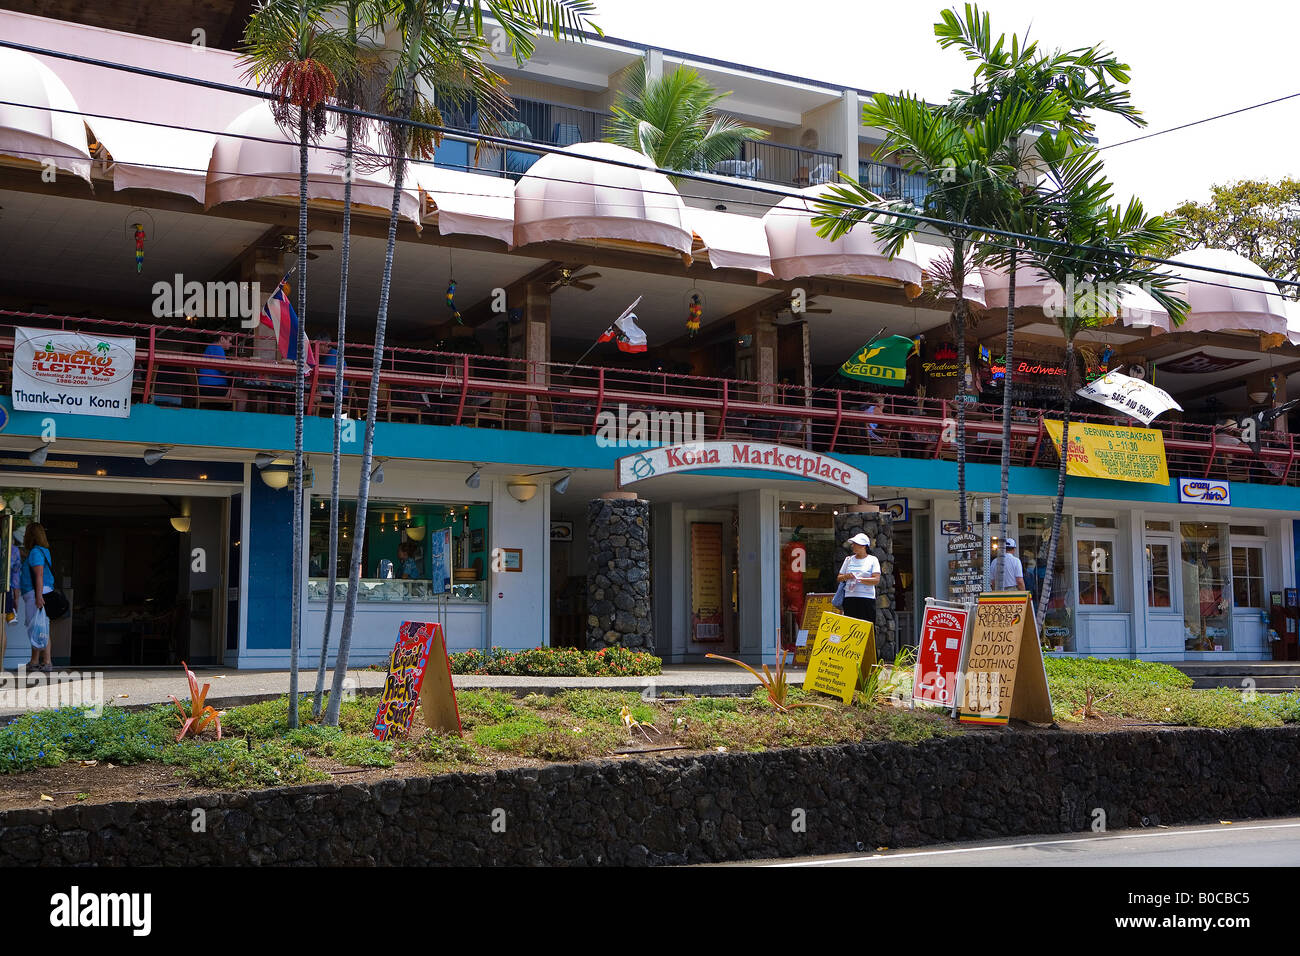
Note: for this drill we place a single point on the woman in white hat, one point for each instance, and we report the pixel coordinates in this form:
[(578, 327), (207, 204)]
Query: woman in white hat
[(860, 573)]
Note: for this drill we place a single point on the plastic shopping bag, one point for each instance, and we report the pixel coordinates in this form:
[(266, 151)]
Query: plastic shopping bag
[(40, 628)]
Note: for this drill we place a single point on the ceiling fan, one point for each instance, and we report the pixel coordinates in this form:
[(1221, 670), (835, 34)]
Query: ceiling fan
[(289, 246), (570, 277)]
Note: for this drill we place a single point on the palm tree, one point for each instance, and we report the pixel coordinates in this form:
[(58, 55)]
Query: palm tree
[(289, 46), (1092, 250), (971, 166), (1084, 78), (440, 52), (350, 90), (674, 121)]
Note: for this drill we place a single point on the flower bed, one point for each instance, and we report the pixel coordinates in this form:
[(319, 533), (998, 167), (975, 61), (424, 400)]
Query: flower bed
[(557, 662)]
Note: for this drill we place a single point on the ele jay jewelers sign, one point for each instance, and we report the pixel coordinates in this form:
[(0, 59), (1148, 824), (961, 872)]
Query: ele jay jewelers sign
[(743, 456)]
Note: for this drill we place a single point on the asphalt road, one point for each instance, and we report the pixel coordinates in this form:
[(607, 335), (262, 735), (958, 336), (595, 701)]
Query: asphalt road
[(1256, 843)]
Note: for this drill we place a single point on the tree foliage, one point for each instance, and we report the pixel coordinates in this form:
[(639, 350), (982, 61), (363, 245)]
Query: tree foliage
[(1257, 219), (674, 120)]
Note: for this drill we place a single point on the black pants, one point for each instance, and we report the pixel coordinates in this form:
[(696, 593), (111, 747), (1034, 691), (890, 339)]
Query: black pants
[(864, 609)]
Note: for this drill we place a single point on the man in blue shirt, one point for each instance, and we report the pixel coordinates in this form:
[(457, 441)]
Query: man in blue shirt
[(215, 384)]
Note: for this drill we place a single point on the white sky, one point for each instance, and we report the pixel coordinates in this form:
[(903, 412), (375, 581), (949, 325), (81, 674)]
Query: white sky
[(1189, 60)]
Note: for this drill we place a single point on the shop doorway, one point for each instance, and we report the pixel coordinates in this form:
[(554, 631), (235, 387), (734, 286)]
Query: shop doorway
[(712, 581), (145, 575)]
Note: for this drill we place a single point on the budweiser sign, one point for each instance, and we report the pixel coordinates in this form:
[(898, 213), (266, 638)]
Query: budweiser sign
[(742, 456)]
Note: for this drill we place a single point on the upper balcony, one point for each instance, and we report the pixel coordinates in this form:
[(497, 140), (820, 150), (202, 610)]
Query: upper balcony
[(892, 182), (442, 388)]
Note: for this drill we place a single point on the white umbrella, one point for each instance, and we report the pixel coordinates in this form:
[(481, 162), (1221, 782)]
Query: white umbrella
[(1132, 396)]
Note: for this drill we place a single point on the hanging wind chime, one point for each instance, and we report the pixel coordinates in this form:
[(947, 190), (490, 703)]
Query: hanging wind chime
[(135, 229), (451, 289), (693, 315)]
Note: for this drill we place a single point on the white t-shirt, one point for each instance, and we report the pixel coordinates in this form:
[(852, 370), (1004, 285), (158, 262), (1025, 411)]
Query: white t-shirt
[(870, 565), (1010, 567)]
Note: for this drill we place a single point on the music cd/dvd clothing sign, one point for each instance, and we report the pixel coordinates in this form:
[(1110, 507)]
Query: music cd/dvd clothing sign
[(1003, 676)]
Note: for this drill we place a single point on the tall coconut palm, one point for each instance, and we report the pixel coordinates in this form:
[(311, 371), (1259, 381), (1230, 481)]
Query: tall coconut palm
[(440, 48), (1092, 250), (674, 120), (290, 47), (1085, 79), (971, 166), (349, 95)]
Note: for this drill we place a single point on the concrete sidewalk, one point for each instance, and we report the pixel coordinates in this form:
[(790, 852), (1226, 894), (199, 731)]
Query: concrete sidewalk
[(132, 688)]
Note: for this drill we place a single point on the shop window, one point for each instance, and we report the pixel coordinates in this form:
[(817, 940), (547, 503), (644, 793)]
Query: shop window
[(414, 551), (1248, 576), (1160, 526), (1094, 522), (1206, 619), (1035, 530), (1095, 559), (1160, 581), (1247, 529)]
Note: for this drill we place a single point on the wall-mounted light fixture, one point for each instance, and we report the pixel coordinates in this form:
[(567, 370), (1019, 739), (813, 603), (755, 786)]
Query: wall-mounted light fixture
[(277, 476), (37, 456), (475, 478), (181, 523), (521, 490), (377, 474), (154, 455)]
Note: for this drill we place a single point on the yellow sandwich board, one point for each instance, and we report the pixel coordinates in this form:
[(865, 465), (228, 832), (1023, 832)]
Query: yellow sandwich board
[(1003, 675), (844, 649)]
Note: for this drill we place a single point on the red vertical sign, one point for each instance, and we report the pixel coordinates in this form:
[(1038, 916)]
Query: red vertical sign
[(938, 655)]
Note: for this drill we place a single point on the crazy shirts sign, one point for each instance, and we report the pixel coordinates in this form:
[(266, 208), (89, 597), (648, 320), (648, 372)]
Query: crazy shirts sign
[(72, 373), (745, 456)]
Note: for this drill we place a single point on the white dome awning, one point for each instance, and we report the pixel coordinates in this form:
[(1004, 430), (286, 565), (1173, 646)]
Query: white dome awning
[(571, 195), (256, 159), (797, 251), (49, 127), (1218, 303)]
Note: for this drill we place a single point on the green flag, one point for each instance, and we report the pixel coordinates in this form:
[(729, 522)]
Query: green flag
[(881, 362)]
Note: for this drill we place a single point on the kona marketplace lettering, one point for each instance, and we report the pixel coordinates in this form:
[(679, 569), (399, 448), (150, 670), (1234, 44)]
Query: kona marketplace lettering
[(757, 456)]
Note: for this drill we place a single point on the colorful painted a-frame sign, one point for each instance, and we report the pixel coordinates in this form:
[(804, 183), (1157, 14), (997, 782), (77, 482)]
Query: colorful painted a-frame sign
[(1003, 674), (406, 687)]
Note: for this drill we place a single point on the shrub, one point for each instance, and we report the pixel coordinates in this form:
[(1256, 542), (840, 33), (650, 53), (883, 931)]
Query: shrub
[(557, 662)]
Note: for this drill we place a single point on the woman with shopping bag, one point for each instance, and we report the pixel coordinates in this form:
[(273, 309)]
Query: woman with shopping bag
[(36, 582)]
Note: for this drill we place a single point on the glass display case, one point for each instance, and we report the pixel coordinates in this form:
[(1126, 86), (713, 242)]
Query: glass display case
[(1206, 570)]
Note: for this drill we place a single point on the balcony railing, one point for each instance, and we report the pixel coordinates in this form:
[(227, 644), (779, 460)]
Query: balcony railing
[(441, 388), (533, 121), (780, 164), (892, 182)]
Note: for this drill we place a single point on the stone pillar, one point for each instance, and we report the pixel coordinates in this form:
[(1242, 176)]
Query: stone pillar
[(618, 572), (879, 527)]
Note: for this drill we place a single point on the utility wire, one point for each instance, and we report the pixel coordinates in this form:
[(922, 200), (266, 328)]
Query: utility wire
[(1208, 119), (528, 146)]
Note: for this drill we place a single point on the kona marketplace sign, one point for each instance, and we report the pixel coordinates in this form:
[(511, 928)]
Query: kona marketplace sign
[(72, 373), (742, 456)]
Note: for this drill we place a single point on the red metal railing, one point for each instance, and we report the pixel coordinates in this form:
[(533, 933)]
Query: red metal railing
[(455, 389)]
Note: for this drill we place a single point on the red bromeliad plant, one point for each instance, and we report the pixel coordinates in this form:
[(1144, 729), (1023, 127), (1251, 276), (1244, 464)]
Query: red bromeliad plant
[(774, 682), (200, 714)]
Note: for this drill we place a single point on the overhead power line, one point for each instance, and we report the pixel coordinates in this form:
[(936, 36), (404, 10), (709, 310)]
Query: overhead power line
[(529, 146), (1208, 119)]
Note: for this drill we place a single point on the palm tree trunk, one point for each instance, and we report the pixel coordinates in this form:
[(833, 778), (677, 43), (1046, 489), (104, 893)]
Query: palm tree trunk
[(959, 331), (340, 338), (295, 605), (372, 413), (1006, 405), (1059, 505)]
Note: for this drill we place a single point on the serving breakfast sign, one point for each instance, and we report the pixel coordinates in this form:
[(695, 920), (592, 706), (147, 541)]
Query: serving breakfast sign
[(72, 373)]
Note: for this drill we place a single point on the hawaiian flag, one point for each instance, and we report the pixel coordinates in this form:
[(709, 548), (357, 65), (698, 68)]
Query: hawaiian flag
[(279, 316), (628, 334)]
